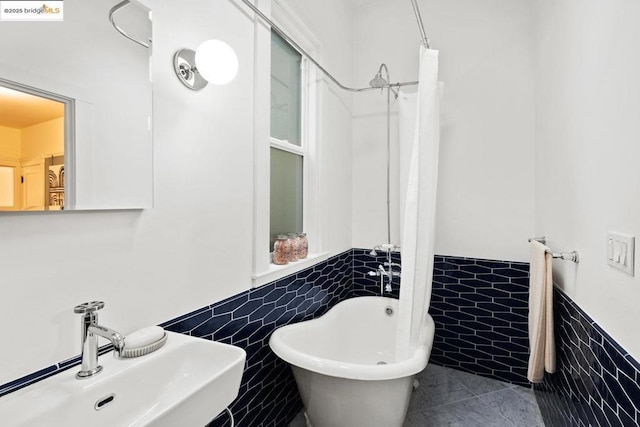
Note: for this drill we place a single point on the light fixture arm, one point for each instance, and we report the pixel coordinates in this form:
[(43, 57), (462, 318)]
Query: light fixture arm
[(184, 64)]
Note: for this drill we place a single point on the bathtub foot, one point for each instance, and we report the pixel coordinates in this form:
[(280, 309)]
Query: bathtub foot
[(416, 384)]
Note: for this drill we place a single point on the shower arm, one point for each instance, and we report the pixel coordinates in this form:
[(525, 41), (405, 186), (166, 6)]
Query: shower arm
[(383, 66), (284, 35)]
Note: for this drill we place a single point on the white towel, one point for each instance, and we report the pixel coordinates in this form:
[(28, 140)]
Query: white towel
[(541, 340)]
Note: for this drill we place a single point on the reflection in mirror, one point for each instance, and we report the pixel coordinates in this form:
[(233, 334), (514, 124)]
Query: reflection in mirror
[(100, 83), (32, 136)]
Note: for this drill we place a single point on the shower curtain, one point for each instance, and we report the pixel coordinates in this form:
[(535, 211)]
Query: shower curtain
[(421, 113)]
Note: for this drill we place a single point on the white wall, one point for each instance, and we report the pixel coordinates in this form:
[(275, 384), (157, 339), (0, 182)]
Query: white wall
[(486, 179), (195, 246), (587, 131)]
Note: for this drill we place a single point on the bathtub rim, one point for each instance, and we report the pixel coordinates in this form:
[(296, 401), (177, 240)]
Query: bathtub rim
[(411, 366)]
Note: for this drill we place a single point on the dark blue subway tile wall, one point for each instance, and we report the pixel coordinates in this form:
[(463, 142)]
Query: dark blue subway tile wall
[(364, 263), (479, 307), (596, 383), (268, 395), (480, 310)]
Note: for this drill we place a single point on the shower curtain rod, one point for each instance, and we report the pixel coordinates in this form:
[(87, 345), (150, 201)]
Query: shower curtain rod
[(284, 35), (416, 11), (113, 10)]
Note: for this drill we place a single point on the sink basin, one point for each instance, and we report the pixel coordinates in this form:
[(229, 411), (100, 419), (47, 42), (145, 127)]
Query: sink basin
[(185, 383)]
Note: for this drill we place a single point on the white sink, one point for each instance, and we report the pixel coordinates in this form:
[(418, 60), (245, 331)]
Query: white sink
[(185, 383)]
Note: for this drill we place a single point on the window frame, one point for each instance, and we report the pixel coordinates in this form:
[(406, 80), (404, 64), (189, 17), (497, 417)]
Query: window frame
[(263, 270), (289, 147)]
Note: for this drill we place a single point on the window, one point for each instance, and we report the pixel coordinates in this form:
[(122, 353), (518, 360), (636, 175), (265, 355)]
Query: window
[(286, 153), (287, 143)]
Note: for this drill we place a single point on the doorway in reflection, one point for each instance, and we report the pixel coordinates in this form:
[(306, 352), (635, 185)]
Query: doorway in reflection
[(32, 135)]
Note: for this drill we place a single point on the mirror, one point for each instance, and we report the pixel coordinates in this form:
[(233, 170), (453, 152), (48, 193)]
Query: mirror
[(32, 141), (75, 111)]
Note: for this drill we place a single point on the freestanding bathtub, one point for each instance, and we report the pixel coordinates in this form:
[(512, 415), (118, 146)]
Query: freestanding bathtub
[(345, 366)]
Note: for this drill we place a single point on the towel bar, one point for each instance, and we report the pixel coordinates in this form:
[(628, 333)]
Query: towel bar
[(566, 256)]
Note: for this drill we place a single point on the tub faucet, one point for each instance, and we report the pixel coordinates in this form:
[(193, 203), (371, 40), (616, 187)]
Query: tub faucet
[(387, 272), (89, 332), (390, 273), (382, 273)]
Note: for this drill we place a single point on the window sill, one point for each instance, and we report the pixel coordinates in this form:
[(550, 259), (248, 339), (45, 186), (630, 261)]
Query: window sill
[(275, 272)]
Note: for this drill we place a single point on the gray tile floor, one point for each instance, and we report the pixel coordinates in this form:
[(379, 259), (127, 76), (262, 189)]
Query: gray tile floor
[(451, 398)]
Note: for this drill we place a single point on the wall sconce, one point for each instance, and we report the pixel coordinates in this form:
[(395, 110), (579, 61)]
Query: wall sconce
[(213, 61)]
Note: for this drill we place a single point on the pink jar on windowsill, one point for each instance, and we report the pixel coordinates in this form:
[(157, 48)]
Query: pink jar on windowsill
[(281, 250), (292, 238), (303, 246)]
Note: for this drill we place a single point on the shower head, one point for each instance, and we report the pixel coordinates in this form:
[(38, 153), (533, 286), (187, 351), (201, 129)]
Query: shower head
[(378, 81)]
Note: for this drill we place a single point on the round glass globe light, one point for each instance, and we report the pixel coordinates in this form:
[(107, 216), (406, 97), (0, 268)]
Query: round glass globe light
[(216, 62)]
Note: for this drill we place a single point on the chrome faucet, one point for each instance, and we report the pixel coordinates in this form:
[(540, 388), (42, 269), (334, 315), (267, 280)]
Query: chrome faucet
[(89, 332), (383, 272), (388, 273)]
